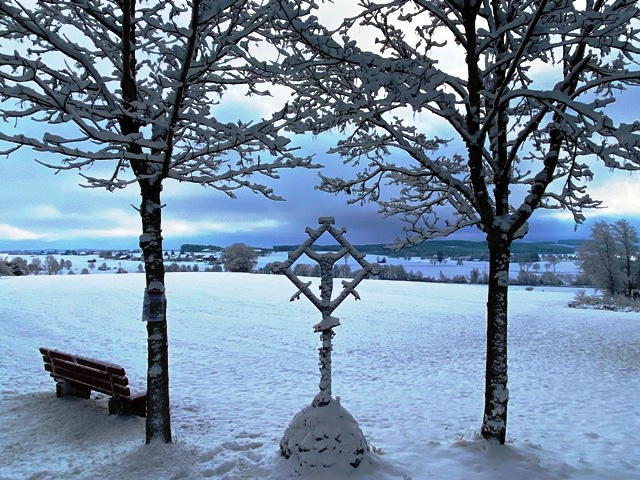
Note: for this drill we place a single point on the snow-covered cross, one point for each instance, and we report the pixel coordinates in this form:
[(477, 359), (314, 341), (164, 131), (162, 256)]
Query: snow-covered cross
[(325, 304)]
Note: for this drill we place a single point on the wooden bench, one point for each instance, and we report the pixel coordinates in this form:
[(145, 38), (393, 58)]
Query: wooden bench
[(78, 376)]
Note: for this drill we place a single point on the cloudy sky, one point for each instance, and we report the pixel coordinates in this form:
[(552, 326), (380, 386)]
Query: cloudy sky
[(42, 209)]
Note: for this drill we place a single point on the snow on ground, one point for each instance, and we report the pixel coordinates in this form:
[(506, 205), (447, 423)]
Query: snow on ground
[(408, 365)]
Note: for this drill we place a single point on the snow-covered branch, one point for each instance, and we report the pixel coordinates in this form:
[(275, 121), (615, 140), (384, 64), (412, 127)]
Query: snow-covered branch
[(137, 86), (375, 72)]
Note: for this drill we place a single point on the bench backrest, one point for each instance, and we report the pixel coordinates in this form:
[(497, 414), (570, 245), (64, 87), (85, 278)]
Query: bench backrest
[(103, 377)]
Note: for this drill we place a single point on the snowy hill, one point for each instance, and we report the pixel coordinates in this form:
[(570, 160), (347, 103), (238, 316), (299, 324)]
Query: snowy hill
[(408, 365)]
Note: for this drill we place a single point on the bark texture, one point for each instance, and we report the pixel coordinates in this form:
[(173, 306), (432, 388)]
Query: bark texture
[(158, 418), (496, 397)]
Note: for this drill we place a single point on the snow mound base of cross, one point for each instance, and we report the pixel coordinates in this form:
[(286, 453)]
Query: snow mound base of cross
[(326, 436)]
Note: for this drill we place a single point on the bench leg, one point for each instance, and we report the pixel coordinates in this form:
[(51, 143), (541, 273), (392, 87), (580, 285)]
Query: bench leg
[(68, 389), (122, 407)]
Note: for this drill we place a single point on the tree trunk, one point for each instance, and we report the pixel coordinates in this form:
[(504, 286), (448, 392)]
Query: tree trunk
[(158, 421), (496, 397)]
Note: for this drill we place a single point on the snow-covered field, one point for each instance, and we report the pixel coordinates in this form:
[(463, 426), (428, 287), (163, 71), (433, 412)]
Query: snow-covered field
[(408, 365)]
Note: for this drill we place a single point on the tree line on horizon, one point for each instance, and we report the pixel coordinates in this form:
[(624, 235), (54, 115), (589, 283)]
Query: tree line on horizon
[(477, 250), (608, 261)]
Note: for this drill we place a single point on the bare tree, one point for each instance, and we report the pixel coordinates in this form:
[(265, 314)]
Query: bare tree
[(130, 89), (35, 267), (524, 88), (608, 257), (599, 258), (51, 265), (627, 238)]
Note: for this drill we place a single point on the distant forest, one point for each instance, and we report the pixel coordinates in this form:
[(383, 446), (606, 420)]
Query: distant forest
[(454, 249), (448, 248), (193, 248)]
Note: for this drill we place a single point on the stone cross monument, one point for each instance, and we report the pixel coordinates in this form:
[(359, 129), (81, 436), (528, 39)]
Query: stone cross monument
[(325, 450)]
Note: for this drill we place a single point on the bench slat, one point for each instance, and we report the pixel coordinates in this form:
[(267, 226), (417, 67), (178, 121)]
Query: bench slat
[(116, 377), (95, 382), (88, 362)]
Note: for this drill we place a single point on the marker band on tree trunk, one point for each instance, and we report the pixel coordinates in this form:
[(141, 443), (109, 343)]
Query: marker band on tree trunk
[(154, 306)]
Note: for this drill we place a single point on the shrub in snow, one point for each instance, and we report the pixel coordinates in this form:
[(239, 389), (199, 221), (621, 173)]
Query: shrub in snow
[(5, 269), (605, 302), (324, 436)]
